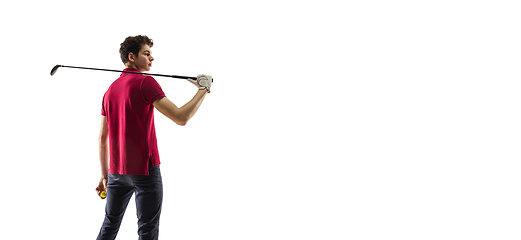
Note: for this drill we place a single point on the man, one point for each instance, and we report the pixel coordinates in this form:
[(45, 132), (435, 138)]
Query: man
[(128, 136)]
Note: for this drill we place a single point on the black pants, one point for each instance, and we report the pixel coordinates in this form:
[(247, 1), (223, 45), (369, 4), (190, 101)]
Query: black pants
[(149, 199)]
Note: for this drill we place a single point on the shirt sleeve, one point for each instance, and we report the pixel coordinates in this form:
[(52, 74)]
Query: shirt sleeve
[(103, 106), (151, 90)]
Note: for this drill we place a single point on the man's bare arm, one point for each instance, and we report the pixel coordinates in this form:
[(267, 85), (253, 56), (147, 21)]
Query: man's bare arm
[(103, 157), (183, 114), (103, 147)]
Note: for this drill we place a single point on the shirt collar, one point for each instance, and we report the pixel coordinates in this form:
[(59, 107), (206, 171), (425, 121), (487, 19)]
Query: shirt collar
[(130, 70)]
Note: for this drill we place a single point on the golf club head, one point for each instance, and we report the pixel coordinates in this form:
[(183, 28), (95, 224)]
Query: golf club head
[(54, 69)]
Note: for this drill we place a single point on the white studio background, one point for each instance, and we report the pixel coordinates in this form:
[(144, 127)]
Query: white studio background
[(327, 119)]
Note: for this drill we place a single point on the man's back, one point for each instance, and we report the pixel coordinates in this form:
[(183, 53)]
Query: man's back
[(128, 106)]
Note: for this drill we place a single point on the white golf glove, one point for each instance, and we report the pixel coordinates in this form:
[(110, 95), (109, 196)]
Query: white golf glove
[(202, 82)]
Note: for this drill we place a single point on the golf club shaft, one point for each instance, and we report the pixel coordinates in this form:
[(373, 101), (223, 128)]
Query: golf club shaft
[(151, 74)]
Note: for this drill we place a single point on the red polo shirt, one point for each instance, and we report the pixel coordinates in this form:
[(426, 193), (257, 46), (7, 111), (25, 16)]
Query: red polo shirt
[(128, 106)]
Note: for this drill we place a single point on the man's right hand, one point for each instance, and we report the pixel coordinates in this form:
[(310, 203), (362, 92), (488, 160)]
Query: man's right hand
[(202, 82)]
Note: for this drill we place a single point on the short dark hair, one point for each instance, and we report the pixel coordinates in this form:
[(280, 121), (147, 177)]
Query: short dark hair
[(133, 45)]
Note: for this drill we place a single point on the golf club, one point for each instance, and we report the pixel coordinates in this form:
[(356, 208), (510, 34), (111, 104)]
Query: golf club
[(55, 68)]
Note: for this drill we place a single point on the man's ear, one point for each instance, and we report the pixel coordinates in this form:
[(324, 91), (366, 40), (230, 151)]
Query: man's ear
[(131, 57)]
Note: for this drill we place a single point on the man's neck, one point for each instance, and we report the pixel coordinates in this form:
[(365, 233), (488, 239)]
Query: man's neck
[(131, 65)]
